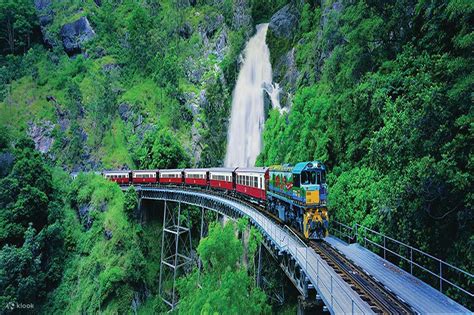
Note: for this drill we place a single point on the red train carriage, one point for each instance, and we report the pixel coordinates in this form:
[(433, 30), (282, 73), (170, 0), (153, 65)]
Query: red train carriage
[(196, 176), (222, 178), (144, 176), (174, 176), (252, 181), (120, 177)]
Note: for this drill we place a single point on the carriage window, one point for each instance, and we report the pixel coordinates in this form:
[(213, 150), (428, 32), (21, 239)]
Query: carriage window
[(313, 178), (255, 182), (319, 178)]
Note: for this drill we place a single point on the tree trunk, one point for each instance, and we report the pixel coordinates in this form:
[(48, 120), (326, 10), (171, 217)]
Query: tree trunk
[(11, 35)]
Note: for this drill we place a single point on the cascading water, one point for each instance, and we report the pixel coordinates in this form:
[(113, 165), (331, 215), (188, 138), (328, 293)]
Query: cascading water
[(244, 140)]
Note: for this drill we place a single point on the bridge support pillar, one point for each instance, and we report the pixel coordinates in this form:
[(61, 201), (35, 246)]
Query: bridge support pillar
[(308, 306), (175, 253)]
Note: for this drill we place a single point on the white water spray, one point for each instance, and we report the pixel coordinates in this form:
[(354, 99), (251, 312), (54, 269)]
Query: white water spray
[(244, 140)]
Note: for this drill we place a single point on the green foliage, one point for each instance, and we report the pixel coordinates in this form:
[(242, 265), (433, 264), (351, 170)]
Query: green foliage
[(262, 10), (24, 194), (215, 113), (221, 250), (4, 139), (31, 228), (130, 203), (17, 22), (385, 101), (20, 271), (161, 150), (112, 259), (224, 285), (140, 60)]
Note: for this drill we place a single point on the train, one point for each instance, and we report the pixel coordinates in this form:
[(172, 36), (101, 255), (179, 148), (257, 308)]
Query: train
[(295, 194)]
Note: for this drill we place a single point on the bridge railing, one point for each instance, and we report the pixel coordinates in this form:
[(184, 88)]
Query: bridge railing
[(413, 257), (331, 290)]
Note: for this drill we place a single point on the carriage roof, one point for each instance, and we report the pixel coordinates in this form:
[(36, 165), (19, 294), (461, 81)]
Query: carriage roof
[(260, 170)]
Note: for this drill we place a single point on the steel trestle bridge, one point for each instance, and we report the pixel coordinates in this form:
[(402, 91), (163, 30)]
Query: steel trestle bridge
[(313, 274)]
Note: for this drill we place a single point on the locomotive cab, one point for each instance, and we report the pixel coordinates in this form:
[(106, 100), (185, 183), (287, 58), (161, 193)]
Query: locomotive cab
[(310, 178)]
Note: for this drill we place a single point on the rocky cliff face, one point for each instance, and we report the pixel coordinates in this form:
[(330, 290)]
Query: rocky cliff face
[(72, 35), (281, 32), (205, 93), (214, 35), (284, 40)]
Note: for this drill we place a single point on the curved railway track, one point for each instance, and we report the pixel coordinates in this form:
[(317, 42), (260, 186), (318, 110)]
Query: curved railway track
[(380, 299)]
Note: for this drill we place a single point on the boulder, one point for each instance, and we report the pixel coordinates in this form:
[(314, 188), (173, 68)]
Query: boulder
[(242, 17), (330, 9), (221, 45), (284, 22), (75, 34), (185, 31), (41, 135), (211, 24), (84, 215), (193, 70), (44, 12), (108, 234), (125, 111)]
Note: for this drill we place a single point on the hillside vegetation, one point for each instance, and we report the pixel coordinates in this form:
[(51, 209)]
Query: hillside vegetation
[(380, 91), (383, 95), (133, 72)]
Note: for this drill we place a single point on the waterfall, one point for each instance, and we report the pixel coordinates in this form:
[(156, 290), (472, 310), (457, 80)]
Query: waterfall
[(244, 139)]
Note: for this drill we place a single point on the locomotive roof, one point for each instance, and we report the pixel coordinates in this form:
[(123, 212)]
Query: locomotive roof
[(307, 165), (251, 169)]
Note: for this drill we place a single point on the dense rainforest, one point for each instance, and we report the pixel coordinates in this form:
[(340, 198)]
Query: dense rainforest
[(380, 91), (93, 85)]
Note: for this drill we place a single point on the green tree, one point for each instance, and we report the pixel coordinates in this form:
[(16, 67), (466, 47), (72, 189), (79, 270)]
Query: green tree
[(24, 194), (224, 286), (20, 271), (17, 21), (130, 203), (161, 150)]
